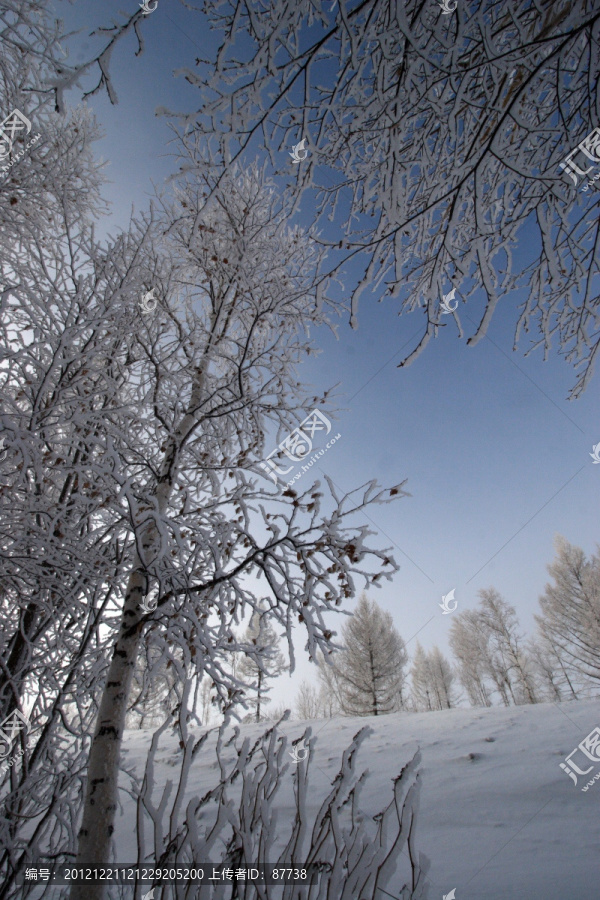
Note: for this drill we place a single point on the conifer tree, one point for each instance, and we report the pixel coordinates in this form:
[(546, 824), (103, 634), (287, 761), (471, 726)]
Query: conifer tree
[(368, 674)]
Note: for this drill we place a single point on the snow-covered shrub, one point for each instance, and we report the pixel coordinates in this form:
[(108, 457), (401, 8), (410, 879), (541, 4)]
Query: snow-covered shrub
[(251, 817)]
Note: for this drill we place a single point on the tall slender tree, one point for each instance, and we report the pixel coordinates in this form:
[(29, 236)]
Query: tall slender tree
[(552, 674), (307, 704), (262, 661), (215, 366), (491, 653), (206, 700), (153, 694), (469, 646), (132, 437), (511, 659), (569, 622), (432, 680)]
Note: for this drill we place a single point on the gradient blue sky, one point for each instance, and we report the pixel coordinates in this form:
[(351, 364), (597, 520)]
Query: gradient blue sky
[(497, 460)]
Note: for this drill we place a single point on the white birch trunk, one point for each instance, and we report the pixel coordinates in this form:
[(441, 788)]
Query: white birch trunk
[(101, 800)]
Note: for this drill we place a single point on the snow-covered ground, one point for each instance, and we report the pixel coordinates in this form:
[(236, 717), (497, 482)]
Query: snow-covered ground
[(498, 817)]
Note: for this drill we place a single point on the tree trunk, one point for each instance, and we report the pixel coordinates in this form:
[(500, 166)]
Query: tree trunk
[(260, 674), (375, 709), (565, 673), (17, 665), (101, 799), (103, 768)]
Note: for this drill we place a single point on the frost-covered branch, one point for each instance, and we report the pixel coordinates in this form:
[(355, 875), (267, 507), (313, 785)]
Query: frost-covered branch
[(434, 143)]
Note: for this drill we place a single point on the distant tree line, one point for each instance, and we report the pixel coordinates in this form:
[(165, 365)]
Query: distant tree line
[(372, 675), (493, 663)]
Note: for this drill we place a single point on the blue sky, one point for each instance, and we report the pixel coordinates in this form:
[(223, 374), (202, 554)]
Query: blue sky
[(497, 460)]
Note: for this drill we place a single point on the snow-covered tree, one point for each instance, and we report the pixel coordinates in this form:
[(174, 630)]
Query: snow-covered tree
[(552, 676), (434, 142), (64, 548), (153, 693), (206, 700), (132, 442), (262, 661), (277, 713), (569, 623), (35, 63), (491, 653), (469, 646), (432, 680), (307, 704), (499, 620), (201, 381), (421, 680), (330, 688), (368, 673), (328, 699)]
